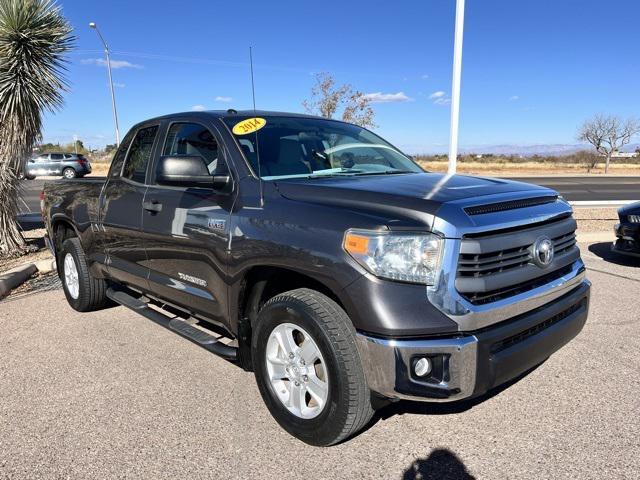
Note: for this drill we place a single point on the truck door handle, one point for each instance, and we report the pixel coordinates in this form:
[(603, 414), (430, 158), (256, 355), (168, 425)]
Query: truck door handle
[(153, 206)]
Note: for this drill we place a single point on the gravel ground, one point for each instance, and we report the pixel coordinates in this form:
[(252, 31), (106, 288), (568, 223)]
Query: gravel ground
[(111, 395)]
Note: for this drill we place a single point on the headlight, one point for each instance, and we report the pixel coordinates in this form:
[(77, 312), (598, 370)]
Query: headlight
[(407, 257)]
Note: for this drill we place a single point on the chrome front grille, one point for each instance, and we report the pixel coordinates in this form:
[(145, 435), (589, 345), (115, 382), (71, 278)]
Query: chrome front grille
[(478, 265), (496, 265)]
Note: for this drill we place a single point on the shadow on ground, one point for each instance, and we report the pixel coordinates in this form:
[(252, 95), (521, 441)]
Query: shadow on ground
[(603, 250), (441, 464), (446, 408)]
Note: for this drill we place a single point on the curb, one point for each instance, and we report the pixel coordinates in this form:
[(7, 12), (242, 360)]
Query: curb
[(45, 266), (601, 203), (15, 277)]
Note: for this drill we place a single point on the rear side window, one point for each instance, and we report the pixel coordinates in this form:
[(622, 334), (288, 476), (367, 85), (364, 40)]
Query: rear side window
[(192, 139), (66, 155), (118, 158), (135, 166)]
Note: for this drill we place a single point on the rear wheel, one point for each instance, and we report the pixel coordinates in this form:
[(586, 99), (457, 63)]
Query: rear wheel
[(69, 173), (308, 369), (84, 292)]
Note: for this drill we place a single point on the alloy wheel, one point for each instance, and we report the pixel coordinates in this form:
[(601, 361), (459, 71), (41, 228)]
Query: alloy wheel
[(297, 370)]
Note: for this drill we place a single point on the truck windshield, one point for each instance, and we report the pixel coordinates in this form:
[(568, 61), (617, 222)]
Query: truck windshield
[(298, 147)]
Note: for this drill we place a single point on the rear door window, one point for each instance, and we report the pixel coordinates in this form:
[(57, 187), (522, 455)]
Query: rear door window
[(135, 166), (118, 158), (56, 157)]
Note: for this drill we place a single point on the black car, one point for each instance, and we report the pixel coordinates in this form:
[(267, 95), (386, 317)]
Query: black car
[(318, 255), (628, 230)]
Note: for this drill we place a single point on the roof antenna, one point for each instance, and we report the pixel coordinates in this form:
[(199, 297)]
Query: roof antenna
[(253, 94)]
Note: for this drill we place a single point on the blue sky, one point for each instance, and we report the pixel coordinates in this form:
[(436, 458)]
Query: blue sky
[(532, 70)]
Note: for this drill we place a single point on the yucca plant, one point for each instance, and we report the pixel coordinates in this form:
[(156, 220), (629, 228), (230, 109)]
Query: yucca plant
[(34, 36)]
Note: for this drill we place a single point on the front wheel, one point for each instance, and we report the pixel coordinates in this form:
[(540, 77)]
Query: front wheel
[(308, 368), (69, 173)]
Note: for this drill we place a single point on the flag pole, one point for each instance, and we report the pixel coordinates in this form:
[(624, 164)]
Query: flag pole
[(455, 87)]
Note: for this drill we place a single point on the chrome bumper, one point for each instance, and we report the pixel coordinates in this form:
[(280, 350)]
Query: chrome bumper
[(471, 364), (387, 363)]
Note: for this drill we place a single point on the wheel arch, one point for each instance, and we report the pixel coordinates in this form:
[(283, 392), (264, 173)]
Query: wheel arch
[(257, 286), (61, 229)]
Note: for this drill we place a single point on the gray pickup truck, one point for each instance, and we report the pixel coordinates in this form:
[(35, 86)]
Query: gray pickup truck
[(317, 255)]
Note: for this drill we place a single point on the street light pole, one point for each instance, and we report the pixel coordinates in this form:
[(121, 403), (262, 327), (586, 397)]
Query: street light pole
[(455, 87), (113, 96)]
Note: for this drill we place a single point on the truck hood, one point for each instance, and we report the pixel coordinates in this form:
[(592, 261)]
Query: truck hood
[(405, 198)]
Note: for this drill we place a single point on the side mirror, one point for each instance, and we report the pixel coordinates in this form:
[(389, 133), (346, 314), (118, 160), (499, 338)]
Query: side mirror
[(189, 171), (183, 171), (222, 183)]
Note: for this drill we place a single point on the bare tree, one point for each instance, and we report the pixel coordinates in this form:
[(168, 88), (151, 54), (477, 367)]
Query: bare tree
[(327, 99), (608, 134)]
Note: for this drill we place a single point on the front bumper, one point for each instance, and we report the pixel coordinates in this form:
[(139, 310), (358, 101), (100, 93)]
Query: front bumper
[(628, 239), (470, 364)]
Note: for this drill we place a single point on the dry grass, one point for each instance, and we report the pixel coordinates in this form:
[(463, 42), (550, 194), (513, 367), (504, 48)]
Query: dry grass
[(505, 169), (100, 169), (492, 169)]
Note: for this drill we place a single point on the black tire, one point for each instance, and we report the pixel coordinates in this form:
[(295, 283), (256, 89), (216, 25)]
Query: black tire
[(348, 406), (30, 177), (92, 291), (69, 173)]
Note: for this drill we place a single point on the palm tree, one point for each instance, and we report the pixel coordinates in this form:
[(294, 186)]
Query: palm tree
[(34, 36)]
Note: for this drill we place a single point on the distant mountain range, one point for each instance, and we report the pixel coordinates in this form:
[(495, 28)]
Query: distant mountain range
[(525, 150)]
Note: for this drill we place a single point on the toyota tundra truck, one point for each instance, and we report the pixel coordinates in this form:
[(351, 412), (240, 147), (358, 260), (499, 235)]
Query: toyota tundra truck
[(317, 255)]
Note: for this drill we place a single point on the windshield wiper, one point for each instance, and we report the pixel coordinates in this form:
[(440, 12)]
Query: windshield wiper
[(335, 172), (386, 172)]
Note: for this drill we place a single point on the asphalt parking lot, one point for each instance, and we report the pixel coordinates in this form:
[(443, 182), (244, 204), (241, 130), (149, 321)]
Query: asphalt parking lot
[(112, 395)]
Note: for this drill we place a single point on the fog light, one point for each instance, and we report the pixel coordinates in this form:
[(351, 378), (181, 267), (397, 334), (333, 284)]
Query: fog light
[(422, 367)]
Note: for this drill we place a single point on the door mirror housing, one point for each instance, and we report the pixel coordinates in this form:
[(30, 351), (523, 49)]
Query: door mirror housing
[(189, 171), (222, 183)]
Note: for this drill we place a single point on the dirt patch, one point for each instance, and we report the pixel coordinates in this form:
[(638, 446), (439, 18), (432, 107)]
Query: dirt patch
[(38, 251)]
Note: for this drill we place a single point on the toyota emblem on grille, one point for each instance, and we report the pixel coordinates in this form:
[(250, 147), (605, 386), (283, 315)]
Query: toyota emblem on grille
[(543, 252)]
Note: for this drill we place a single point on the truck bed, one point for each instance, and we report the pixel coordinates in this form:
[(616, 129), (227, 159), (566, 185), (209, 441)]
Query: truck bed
[(76, 200)]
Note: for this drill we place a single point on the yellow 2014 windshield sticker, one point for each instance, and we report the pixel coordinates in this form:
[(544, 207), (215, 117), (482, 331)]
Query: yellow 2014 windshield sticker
[(249, 125)]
